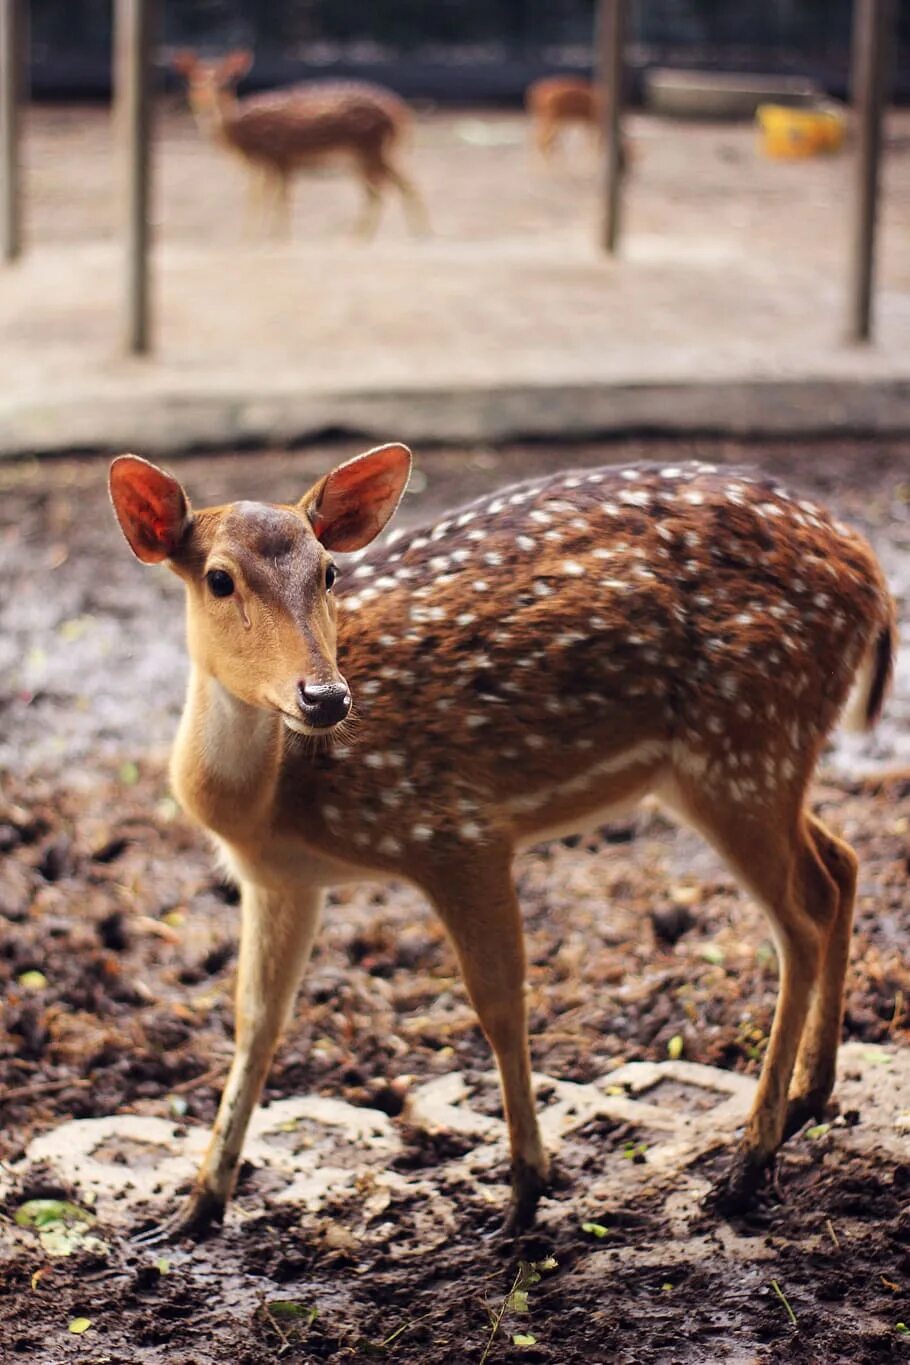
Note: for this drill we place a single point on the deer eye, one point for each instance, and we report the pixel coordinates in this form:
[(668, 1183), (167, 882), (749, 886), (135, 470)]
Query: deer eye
[(221, 583), (331, 576)]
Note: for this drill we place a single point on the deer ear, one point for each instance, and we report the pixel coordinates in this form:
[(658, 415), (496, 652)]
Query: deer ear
[(151, 507), (350, 506), (184, 62), (234, 66)]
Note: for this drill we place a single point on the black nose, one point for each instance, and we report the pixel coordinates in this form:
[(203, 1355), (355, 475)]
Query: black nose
[(323, 704)]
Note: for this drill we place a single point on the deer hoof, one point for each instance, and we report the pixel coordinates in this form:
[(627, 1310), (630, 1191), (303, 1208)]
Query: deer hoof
[(527, 1187), (195, 1219), (735, 1192)]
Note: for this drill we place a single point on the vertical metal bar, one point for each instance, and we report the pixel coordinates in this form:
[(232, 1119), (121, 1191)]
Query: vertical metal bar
[(611, 29), (872, 25), (132, 94), (12, 89)]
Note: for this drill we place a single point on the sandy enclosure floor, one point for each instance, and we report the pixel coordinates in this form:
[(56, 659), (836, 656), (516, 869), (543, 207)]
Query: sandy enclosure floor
[(636, 937), (732, 265)]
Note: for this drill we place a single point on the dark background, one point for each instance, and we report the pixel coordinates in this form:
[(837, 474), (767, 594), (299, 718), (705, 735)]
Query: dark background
[(460, 51)]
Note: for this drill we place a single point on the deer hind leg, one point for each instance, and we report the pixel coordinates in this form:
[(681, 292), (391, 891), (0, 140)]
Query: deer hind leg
[(483, 919), (778, 861), (252, 218), (279, 195), (816, 1061), (414, 207), (277, 933), (545, 138), (368, 221)]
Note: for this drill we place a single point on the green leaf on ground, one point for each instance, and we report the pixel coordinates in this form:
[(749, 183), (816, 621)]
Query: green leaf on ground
[(524, 1339), (595, 1229), (62, 1227), (32, 981), (79, 1325), (42, 1213), (289, 1308)]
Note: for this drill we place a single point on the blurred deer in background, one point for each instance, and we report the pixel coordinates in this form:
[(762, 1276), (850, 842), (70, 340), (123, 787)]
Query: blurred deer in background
[(304, 127), (556, 103), (524, 668)]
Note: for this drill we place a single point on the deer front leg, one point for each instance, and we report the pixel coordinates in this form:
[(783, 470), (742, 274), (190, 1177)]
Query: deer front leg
[(484, 921), (277, 932)]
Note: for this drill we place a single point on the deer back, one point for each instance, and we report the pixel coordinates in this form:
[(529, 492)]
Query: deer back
[(553, 647)]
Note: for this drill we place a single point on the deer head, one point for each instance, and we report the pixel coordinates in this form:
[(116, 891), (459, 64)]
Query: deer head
[(261, 617)]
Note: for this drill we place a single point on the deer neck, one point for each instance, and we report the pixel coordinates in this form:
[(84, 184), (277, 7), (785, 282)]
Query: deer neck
[(226, 760), (213, 119)]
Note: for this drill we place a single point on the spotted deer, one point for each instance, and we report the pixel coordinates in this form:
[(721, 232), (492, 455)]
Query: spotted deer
[(555, 103), (303, 127), (524, 667)]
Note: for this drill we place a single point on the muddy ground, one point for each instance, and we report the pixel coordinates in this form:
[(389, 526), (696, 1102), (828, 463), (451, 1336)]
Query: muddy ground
[(636, 936)]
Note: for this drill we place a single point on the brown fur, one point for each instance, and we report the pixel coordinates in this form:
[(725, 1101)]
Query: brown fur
[(284, 132), (521, 668)]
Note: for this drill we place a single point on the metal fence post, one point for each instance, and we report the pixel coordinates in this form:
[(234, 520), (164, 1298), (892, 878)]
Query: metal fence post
[(611, 28), (132, 112), (872, 27), (13, 83)]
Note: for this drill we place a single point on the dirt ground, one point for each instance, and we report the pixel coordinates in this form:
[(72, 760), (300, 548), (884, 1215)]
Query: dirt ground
[(636, 936)]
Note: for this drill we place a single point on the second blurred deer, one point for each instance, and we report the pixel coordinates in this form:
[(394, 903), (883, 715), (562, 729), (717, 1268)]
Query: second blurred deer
[(557, 103), (301, 128)]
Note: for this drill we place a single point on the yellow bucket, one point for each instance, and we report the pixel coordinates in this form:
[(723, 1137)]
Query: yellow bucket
[(794, 132)]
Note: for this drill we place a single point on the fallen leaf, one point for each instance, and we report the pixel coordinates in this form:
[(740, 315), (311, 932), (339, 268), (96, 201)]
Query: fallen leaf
[(32, 981)]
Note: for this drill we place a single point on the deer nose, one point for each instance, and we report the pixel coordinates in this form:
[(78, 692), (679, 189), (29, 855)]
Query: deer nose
[(323, 704)]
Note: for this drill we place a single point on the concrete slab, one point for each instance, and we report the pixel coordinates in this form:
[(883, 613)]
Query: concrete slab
[(166, 422)]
